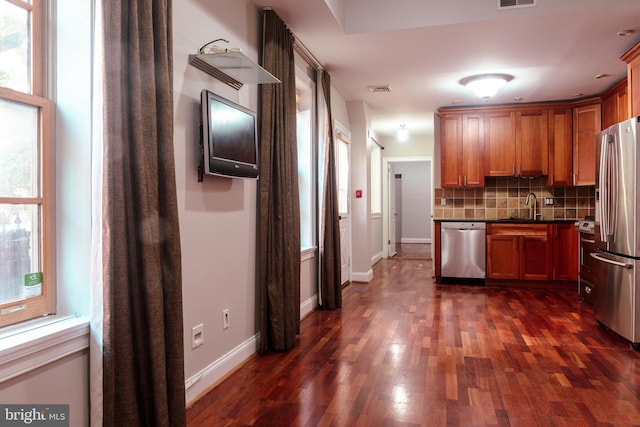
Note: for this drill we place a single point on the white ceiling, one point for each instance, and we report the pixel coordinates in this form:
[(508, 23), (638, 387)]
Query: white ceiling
[(422, 48)]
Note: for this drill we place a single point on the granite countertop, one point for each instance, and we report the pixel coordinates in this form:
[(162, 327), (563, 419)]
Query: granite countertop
[(509, 220)]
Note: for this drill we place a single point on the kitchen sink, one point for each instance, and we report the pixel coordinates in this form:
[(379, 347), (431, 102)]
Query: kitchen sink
[(513, 219)]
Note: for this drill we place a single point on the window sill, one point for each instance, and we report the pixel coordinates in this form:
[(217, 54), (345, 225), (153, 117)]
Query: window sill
[(307, 253), (23, 349)]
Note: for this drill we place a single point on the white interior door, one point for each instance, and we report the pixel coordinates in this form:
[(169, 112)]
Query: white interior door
[(343, 170), (391, 178), (398, 212)]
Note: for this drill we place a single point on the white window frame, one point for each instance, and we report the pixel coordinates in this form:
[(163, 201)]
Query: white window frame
[(31, 344), (308, 225), (29, 308)]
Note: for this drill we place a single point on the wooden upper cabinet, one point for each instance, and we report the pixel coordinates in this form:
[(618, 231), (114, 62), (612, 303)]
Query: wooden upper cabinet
[(560, 121), (450, 149), (516, 142), (473, 150), (632, 58), (586, 125), (462, 150), (615, 108), (500, 143), (532, 143)]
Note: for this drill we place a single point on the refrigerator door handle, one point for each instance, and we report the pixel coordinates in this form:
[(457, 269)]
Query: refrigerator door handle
[(610, 261), (608, 180), (602, 188)]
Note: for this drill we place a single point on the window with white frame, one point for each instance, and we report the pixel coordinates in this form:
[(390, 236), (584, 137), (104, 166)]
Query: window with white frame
[(305, 109), (342, 163), (376, 179), (27, 288)]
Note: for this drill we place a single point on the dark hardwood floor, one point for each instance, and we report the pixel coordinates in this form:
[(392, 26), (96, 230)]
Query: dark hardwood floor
[(420, 251), (406, 352)]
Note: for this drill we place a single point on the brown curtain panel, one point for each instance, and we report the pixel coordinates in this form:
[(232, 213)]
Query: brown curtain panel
[(330, 280), (278, 204), (143, 358)]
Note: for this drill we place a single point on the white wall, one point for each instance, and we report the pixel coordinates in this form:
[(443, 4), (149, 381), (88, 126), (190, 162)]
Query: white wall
[(416, 201), (360, 207), (218, 216), (61, 382), (416, 147)]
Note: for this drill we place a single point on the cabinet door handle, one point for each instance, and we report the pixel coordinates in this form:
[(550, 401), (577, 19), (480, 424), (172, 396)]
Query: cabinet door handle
[(583, 240)]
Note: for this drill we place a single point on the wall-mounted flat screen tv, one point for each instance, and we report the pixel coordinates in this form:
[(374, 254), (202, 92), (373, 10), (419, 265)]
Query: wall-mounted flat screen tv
[(229, 139)]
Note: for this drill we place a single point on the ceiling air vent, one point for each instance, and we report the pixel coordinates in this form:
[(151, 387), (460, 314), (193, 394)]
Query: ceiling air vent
[(509, 4), (382, 88)]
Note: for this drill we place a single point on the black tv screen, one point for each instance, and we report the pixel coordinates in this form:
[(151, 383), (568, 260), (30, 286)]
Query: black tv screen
[(229, 137)]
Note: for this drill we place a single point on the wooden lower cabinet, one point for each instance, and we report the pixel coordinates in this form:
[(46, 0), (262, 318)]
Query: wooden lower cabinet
[(519, 251), (502, 256), (536, 258), (566, 249)]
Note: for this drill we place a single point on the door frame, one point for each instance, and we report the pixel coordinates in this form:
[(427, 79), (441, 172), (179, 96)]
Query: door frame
[(339, 128), (385, 195), (392, 216)]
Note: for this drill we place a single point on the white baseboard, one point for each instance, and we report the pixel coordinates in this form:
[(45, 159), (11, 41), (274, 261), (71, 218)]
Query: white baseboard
[(415, 240), (377, 257), (308, 306), (362, 277), (204, 380)]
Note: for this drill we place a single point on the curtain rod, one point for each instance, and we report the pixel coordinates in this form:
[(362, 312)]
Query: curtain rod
[(377, 143), (302, 49), (306, 53)]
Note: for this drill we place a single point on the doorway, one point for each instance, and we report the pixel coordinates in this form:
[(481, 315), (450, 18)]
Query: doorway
[(407, 207), (343, 154)]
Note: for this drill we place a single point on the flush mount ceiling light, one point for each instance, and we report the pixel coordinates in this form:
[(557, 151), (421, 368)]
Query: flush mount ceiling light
[(486, 85), (403, 133)]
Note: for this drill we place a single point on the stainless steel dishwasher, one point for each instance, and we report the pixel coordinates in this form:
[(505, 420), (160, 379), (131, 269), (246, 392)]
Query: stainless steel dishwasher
[(463, 250)]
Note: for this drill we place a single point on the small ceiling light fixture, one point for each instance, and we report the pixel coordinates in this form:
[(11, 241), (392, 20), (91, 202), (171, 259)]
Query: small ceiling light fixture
[(486, 85), (403, 133)]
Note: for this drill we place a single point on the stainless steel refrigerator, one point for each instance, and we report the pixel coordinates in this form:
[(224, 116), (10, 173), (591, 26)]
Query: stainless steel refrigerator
[(617, 299)]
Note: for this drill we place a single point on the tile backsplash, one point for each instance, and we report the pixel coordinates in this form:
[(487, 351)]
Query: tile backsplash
[(505, 198)]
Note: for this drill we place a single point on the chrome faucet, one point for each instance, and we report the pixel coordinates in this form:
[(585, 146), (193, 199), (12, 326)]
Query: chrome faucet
[(534, 206)]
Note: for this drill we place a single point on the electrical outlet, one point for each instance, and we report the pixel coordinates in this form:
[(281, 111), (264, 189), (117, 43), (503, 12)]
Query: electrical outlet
[(548, 201), (225, 319), (197, 336), (443, 202)]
